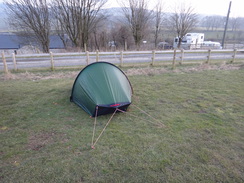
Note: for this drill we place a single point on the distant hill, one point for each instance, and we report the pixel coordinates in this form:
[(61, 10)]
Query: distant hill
[(112, 13), (3, 24)]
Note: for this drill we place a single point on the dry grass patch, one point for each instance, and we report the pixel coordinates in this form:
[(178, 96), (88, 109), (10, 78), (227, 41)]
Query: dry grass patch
[(184, 69), (130, 72), (38, 76)]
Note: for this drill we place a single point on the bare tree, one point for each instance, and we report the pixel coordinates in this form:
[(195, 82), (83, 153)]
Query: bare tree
[(158, 17), (78, 18), (137, 17), (99, 38), (121, 36), (124, 37), (30, 17), (235, 23), (183, 20), (213, 22)]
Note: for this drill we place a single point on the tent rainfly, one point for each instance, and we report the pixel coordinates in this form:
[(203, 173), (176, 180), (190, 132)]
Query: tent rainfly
[(101, 88)]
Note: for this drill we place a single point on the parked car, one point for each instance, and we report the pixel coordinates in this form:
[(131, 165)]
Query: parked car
[(164, 46)]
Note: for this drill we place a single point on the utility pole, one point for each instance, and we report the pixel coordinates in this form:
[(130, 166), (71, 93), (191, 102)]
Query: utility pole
[(226, 25)]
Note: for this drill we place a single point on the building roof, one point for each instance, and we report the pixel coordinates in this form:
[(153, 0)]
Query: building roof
[(9, 41), (12, 41)]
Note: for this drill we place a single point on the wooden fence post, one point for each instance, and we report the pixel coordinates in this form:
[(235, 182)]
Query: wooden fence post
[(52, 62), (87, 58), (121, 58), (174, 57), (209, 55), (5, 63), (97, 56), (234, 56), (182, 56), (153, 57), (14, 61)]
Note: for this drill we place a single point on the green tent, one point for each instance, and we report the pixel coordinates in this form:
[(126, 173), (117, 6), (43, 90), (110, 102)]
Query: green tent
[(101, 88)]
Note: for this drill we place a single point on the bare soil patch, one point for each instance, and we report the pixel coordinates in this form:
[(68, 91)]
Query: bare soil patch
[(38, 141)]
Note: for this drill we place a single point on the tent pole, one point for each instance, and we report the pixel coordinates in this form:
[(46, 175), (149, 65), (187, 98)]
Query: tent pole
[(94, 128)]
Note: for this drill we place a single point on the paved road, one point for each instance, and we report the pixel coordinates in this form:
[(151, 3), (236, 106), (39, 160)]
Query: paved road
[(76, 59)]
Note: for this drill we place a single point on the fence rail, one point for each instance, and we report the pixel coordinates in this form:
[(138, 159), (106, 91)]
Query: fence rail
[(54, 60)]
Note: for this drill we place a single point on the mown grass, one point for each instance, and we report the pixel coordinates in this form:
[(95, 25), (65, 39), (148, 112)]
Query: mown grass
[(45, 138)]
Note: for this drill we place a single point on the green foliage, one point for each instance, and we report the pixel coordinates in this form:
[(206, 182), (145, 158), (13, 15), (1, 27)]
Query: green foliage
[(45, 138)]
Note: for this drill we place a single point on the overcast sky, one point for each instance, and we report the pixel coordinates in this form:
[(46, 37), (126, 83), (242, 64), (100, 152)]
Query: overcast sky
[(208, 7)]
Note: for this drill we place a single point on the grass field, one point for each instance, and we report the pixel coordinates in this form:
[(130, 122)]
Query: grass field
[(45, 138)]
